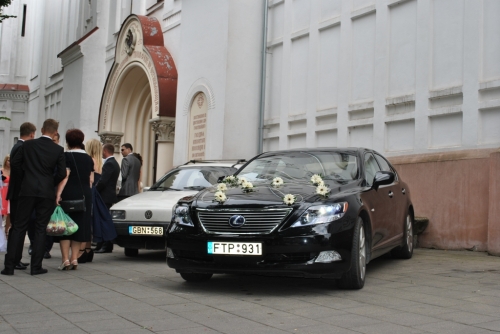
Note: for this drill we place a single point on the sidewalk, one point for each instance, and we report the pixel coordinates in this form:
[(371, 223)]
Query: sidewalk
[(435, 292)]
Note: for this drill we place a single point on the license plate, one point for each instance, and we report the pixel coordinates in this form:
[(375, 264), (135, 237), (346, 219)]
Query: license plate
[(146, 230), (234, 248)]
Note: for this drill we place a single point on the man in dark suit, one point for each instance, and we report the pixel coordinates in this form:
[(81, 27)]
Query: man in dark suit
[(27, 132), (131, 170), (38, 158), (107, 187)]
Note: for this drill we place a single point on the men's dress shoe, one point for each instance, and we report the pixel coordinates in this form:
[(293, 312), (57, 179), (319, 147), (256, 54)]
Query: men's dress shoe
[(47, 255), (39, 271), (103, 250), (19, 266), (24, 263), (7, 272), (30, 250)]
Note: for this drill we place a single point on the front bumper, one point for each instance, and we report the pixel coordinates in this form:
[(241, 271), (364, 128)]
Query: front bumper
[(154, 242), (290, 253)]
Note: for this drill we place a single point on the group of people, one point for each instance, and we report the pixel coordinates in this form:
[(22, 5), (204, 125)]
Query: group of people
[(38, 174)]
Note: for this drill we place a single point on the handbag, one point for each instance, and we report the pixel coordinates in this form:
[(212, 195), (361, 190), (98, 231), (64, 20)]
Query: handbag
[(74, 205)]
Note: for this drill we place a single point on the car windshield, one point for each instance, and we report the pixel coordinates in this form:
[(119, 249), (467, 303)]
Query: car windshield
[(192, 178), (300, 166)]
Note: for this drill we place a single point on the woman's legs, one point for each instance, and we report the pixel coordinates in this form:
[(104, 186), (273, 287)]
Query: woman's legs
[(65, 245), (7, 225), (75, 250)]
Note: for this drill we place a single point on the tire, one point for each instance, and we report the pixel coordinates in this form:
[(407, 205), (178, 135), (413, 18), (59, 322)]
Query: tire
[(131, 252), (406, 250), (354, 278), (196, 277)]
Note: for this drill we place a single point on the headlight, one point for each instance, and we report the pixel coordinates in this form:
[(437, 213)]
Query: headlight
[(118, 214), (320, 214), (180, 215)]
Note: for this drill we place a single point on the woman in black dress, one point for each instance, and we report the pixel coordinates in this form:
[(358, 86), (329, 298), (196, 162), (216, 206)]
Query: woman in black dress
[(77, 185)]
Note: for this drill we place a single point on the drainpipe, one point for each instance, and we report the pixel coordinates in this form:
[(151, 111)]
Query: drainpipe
[(263, 80)]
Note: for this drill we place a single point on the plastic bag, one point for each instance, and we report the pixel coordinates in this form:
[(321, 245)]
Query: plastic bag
[(61, 224), (3, 240)]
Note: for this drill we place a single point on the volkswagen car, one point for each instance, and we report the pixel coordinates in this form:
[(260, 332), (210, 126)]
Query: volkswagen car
[(142, 220), (310, 213)]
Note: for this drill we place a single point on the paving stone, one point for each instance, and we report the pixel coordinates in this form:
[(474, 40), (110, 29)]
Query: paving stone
[(436, 291)]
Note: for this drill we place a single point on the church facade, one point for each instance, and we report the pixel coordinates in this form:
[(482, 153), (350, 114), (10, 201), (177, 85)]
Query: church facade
[(417, 80)]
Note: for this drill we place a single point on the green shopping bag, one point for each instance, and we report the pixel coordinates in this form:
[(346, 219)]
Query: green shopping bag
[(61, 224)]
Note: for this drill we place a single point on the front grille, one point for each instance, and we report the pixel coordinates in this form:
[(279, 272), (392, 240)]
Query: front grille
[(257, 221)]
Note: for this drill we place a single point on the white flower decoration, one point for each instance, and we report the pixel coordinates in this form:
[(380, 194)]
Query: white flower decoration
[(242, 180), (316, 179), (246, 185), (277, 181), (322, 190), (289, 199), (221, 187), (220, 197), (229, 179)]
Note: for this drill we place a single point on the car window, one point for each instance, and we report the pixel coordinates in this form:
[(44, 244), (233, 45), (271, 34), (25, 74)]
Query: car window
[(371, 168), (192, 178), (300, 166), (384, 165)]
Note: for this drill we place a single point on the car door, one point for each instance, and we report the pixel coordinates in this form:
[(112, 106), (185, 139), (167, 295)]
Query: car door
[(397, 204), (376, 203)]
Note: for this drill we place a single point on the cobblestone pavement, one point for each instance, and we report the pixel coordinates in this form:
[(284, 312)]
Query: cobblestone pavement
[(435, 292)]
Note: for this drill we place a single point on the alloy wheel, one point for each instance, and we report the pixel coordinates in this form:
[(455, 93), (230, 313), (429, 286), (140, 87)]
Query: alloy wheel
[(362, 253), (409, 233)]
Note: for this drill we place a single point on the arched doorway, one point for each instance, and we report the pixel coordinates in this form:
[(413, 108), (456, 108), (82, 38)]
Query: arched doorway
[(139, 99)]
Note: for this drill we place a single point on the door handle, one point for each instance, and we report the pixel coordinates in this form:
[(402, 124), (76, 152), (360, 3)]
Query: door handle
[(403, 191), (391, 194)]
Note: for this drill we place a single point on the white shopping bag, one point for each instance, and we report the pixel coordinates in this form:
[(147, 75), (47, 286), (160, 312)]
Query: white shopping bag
[(3, 240)]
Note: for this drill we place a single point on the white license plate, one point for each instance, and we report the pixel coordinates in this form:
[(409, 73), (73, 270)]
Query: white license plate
[(234, 248), (146, 230)]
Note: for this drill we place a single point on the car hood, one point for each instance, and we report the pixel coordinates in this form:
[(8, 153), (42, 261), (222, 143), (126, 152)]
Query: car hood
[(264, 195), (160, 203)]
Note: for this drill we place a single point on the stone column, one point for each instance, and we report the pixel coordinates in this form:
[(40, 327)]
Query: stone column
[(115, 138), (164, 127)]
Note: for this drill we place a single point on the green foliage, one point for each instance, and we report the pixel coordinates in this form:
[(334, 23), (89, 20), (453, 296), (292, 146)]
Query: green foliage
[(5, 118), (4, 3)]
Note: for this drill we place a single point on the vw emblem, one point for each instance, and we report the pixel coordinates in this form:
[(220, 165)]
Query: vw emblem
[(148, 214), (237, 221)]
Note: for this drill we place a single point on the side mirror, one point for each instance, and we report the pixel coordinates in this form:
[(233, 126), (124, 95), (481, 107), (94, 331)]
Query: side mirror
[(382, 178)]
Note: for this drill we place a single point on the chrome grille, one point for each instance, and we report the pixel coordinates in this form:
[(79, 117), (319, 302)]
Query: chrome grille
[(257, 221)]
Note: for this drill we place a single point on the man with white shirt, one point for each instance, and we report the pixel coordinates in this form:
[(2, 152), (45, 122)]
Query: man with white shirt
[(131, 171), (107, 187)]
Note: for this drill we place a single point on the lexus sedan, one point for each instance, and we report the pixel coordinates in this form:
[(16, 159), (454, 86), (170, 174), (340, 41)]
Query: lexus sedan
[(310, 213), (142, 220)]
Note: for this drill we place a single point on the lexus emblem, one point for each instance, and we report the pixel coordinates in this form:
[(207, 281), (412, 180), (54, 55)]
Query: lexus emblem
[(237, 221), (148, 214)]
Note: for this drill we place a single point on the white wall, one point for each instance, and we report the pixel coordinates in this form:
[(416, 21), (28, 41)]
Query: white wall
[(402, 77)]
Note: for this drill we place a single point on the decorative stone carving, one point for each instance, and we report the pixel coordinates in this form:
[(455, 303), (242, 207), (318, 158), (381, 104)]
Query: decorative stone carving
[(130, 42), (115, 138), (164, 127)]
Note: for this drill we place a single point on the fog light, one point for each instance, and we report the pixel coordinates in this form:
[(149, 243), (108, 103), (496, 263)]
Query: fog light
[(327, 257), (170, 253)]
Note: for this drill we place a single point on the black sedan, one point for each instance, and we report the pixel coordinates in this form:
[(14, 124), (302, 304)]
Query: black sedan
[(310, 213)]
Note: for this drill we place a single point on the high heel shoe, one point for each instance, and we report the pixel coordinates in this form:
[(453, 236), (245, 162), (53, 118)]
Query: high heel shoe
[(65, 265), (90, 254), (83, 258), (74, 264)]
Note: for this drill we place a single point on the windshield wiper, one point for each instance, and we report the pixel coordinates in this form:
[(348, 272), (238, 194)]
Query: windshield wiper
[(163, 189), (195, 188)]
